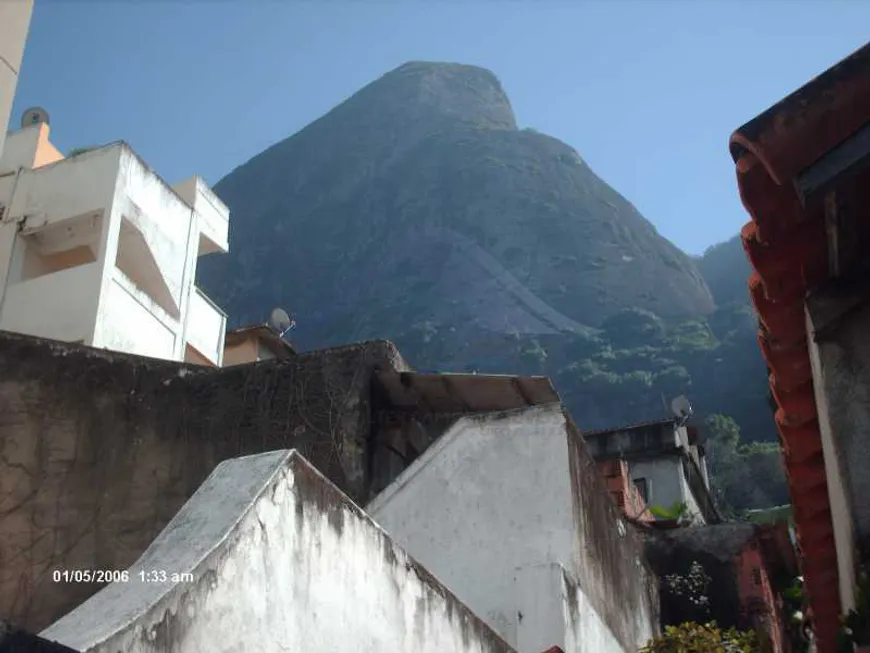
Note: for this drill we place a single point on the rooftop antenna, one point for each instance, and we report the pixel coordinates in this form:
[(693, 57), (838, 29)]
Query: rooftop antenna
[(281, 322), (681, 408), (34, 116)]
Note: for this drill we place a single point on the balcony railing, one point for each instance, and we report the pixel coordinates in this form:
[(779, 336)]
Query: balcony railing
[(206, 327)]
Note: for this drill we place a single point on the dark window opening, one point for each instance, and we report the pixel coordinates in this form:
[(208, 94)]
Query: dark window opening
[(642, 486)]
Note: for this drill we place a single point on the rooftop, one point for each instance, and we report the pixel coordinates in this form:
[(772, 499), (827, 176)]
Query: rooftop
[(787, 160)]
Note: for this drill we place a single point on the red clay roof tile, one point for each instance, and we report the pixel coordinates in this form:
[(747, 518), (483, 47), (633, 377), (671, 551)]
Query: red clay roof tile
[(786, 244)]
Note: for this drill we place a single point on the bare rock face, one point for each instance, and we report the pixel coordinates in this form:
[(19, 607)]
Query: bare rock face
[(418, 211), (418, 199)]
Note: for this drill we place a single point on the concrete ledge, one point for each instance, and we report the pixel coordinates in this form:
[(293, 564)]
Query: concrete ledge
[(274, 557)]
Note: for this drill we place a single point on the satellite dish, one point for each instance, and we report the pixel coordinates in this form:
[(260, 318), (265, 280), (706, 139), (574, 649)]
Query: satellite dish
[(280, 321), (34, 116), (681, 407)]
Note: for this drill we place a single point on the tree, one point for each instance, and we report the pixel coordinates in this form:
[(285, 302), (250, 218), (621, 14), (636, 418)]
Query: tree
[(634, 327), (743, 476), (693, 637)]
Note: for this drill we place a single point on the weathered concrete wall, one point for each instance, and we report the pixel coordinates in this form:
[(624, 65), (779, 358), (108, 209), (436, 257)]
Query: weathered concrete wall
[(612, 571), (842, 370), (549, 600), (716, 549), (279, 560), (494, 500), (99, 450), (666, 481)]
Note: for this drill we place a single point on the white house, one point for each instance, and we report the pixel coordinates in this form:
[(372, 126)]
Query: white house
[(508, 511), (98, 249)]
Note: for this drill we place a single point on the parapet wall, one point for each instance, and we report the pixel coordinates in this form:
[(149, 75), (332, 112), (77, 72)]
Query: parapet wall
[(612, 570), (278, 559), (99, 450), (498, 506)]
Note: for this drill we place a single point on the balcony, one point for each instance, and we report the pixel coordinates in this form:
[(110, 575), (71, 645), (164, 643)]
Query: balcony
[(206, 329), (214, 216), (59, 306)]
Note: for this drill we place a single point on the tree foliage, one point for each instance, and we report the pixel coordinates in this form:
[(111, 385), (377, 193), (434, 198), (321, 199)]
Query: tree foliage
[(693, 637), (634, 327), (744, 476)]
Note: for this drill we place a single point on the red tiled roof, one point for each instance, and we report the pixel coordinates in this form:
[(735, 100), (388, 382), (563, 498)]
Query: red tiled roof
[(786, 243)]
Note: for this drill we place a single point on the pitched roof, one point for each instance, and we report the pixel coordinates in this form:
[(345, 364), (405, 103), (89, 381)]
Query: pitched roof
[(442, 393), (786, 242), (630, 427)]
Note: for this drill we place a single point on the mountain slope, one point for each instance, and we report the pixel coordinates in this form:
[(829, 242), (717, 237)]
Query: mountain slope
[(726, 271), (417, 211)]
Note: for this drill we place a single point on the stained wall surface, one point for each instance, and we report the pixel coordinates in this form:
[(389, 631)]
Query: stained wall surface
[(99, 450), (278, 559), (498, 501)]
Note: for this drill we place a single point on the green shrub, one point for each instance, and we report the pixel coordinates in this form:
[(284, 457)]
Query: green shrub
[(702, 638)]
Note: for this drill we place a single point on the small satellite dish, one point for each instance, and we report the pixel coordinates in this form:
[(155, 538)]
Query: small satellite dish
[(280, 321), (681, 407), (34, 116)]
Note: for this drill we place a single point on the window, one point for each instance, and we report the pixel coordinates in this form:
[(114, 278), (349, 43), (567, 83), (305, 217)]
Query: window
[(643, 487)]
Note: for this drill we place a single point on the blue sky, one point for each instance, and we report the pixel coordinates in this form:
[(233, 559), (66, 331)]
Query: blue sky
[(647, 91)]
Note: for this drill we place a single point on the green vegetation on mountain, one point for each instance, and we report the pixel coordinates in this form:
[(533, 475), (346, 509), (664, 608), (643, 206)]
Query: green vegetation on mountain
[(419, 212)]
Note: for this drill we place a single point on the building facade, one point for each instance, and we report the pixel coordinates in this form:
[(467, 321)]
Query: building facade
[(802, 171), (14, 25), (666, 463), (508, 510), (252, 344), (96, 248)]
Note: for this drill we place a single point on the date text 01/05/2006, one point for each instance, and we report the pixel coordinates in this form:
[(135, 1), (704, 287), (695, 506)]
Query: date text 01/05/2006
[(104, 576)]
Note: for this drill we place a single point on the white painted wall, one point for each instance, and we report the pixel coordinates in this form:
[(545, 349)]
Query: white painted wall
[(213, 215), (65, 189), (491, 498), (280, 561), (60, 306), (165, 222), (206, 326), (158, 235), (550, 601), (129, 321), (585, 629), (14, 25), (499, 490), (667, 482), (19, 150)]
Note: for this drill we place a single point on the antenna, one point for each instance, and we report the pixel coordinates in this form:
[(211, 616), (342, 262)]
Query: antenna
[(681, 408), (280, 321), (34, 116)]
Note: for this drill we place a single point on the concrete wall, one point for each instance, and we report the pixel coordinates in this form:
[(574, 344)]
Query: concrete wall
[(665, 477), (206, 327), (499, 496), (61, 306), (99, 450), (28, 147), (549, 600), (245, 351), (129, 321), (841, 360), (14, 25), (278, 559)]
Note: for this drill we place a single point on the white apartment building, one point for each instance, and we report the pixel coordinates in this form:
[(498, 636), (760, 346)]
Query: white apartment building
[(98, 249)]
